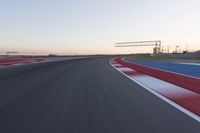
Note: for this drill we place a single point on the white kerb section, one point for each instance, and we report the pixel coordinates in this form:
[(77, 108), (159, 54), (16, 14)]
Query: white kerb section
[(125, 69), (117, 65), (159, 87), (113, 62), (164, 87)]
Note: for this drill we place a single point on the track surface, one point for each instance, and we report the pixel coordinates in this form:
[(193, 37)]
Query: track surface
[(82, 96)]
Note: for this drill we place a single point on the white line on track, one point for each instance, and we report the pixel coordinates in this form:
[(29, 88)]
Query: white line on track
[(195, 64), (117, 65), (182, 109)]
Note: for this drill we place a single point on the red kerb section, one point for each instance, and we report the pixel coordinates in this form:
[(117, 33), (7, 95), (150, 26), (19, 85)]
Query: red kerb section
[(6, 62), (189, 83)]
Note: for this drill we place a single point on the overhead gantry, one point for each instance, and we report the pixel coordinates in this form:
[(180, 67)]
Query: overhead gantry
[(156, 49)]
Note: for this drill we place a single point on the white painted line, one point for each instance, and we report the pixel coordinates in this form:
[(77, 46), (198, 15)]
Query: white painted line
[(187, 112), (195, 64), (113, 62), (117, 65), (177, 106)]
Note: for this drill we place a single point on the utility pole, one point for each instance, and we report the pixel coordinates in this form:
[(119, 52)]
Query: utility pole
[(187, 47), (168, 49), (176, 49)]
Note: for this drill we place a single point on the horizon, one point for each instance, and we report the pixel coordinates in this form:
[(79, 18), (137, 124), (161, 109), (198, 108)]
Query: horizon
[(92, 27)]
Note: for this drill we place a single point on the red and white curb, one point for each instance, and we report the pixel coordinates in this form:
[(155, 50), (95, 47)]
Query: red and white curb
[(183, 99), (8, 63)]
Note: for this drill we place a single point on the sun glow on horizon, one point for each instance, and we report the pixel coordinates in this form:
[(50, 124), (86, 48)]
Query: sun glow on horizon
[(75, 27)]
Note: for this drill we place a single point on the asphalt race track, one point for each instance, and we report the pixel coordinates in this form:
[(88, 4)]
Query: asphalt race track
[(82, 96)]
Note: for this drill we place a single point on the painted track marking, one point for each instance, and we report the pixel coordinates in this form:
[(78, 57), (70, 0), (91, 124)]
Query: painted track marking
[(162, 89)]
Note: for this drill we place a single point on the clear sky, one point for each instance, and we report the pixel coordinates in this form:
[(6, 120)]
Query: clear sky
[(93, 26)]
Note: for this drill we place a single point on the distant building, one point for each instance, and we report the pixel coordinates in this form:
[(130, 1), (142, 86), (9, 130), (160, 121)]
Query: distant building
[(198, 52)]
